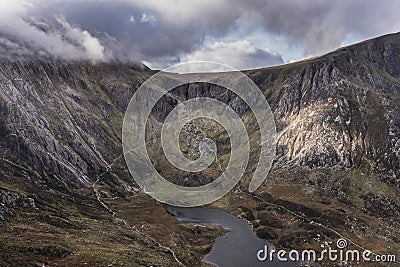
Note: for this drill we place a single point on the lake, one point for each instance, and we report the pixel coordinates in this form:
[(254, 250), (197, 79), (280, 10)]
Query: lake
[(240, 245)]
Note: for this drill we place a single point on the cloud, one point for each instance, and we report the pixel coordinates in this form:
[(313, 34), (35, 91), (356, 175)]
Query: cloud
[(217, 15), (239, 55), (91, 46), (28, 34), (165, 32), (317, 25), (321, 25), (148, 18), (151, 38)]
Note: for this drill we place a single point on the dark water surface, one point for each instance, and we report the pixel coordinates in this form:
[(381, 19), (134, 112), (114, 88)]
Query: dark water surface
[(238, 248)]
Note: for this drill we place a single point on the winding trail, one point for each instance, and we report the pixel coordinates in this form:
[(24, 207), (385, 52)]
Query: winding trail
[(115, 217)]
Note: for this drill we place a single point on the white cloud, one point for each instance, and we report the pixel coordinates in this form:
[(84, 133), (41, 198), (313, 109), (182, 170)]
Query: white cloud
[(15, 22), (148, 18), (132, 18), (240, 55), (93, 49)]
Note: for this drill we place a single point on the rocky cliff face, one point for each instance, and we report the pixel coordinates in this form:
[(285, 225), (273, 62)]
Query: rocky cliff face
[(60, 121), (339, 109)]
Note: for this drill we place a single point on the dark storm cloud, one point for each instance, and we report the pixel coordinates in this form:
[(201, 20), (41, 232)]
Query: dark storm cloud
[(142, 33), (164, 32), (321, 25)]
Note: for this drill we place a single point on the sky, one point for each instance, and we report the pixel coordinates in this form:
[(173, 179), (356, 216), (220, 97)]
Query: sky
[(244, 34)]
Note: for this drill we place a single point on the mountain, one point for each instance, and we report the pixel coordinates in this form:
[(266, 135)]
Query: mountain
[(67, 198)]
